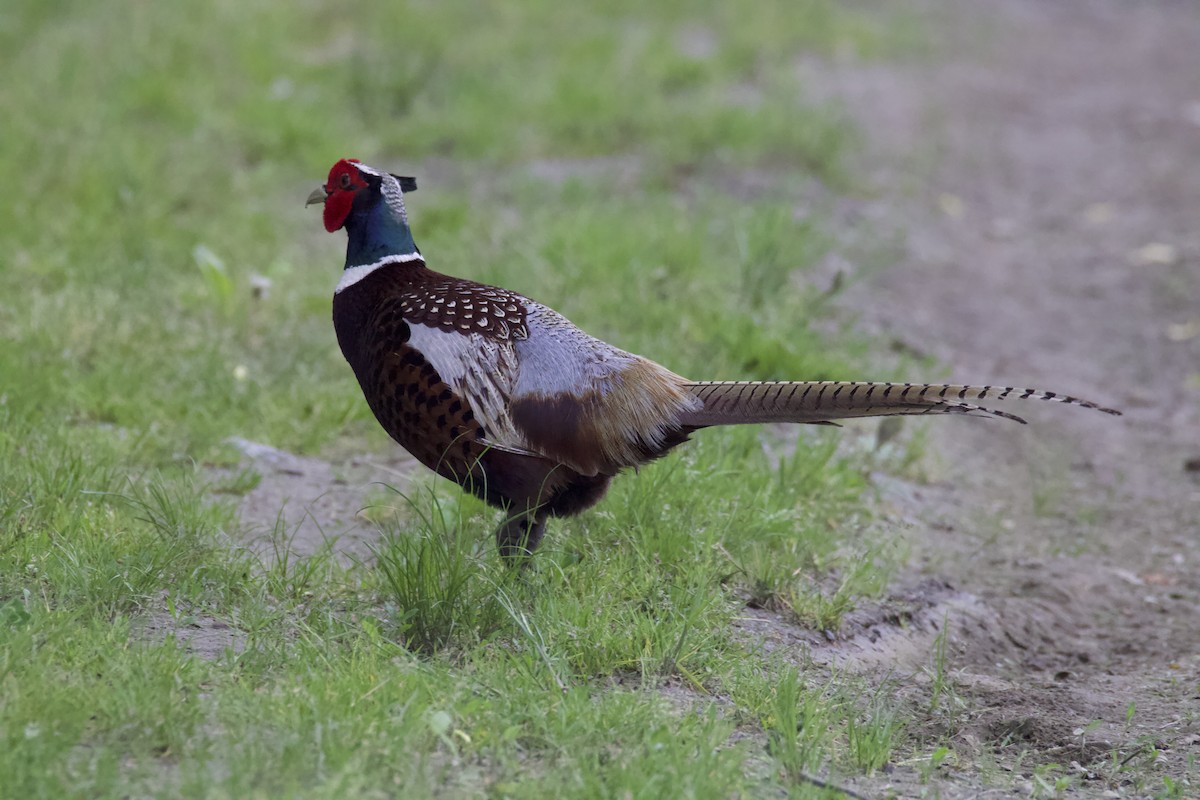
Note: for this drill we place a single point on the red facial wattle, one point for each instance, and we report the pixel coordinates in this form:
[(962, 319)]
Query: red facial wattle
[(343, 184)]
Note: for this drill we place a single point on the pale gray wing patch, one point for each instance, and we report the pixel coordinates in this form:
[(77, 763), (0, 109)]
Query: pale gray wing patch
[(591, 405), (559, 358), (480, 370)]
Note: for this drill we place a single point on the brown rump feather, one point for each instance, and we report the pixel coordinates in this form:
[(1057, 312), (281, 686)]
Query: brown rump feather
[(742, 402)]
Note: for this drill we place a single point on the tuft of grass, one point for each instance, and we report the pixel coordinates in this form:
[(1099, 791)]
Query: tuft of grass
[(872, 735), (441, 576), (797, 726)]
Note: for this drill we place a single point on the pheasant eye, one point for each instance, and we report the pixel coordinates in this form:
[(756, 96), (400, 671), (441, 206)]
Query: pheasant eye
[(345, 180)]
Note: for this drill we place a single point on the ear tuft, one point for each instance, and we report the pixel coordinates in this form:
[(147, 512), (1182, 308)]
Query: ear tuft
[(407, 184)]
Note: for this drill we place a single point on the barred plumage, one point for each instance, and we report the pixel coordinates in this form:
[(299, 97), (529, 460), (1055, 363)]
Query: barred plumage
[(739, 402)]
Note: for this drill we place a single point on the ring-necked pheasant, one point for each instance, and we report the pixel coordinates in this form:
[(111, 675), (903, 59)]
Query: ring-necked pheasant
[(514, 403)]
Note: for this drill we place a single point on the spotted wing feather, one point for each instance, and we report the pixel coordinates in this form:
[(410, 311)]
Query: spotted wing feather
[(456, 305)]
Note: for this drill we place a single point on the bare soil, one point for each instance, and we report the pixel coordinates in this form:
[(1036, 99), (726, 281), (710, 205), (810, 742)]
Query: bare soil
[(303, 505), (1043, 170)]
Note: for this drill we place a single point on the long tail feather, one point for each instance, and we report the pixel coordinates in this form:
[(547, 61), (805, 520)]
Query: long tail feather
[(738, 402)]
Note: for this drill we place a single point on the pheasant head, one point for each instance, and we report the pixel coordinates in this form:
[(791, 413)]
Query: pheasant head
[(369, 204)]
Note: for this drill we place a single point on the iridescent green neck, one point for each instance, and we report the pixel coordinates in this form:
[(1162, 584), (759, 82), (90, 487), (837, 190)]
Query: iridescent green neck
[(377, 228)]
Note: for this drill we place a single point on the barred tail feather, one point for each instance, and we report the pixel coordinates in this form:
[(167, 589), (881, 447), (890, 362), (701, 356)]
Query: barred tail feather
[(740, 402)]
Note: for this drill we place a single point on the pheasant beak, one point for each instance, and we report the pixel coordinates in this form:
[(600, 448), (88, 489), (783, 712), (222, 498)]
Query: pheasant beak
[(318, 196)]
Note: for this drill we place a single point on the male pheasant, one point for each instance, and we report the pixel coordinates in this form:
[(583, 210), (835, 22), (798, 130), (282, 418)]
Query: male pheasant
[(514, 403)]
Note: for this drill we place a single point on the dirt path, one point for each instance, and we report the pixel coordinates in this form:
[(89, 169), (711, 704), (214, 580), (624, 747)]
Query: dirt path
[(1044, 169)]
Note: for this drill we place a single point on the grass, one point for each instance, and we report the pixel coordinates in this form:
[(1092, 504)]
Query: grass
[(162, 289)]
